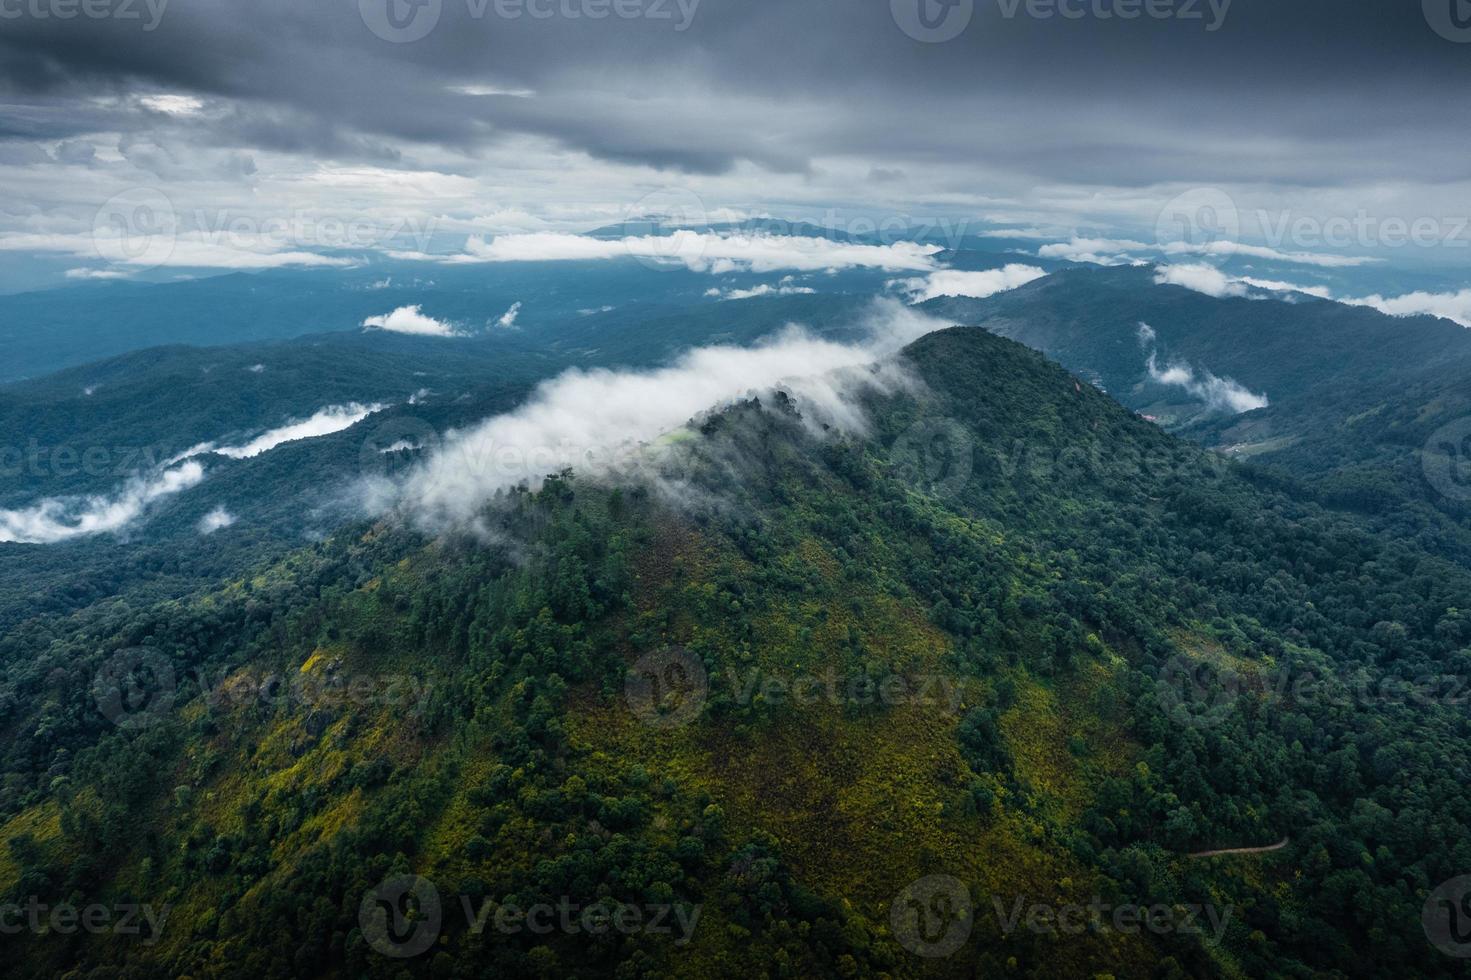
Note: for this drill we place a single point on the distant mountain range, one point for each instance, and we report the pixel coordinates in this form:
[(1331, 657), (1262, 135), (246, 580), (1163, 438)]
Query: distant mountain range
[(1354, 398)]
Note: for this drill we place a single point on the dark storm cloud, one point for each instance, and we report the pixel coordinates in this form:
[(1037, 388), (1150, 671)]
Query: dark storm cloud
[(1309, 91)]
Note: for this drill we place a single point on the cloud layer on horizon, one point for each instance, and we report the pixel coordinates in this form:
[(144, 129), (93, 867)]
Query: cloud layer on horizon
[(491, 125), (700, 251)]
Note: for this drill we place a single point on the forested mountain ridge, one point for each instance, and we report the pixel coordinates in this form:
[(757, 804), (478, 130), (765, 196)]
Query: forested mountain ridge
[(88, 431), (1368, 410), (1092, 635), (1286, 345)]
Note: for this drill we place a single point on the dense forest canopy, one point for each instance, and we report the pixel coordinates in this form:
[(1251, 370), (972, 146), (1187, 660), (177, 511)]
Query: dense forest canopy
[(977, 690)]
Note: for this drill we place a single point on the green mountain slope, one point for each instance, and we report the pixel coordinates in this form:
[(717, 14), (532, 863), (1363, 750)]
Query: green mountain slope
[(89, 430), (808, 705), (1088, 319), (1370, 411)]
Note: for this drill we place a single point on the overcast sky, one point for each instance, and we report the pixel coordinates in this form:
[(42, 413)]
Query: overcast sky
[(470, 117)]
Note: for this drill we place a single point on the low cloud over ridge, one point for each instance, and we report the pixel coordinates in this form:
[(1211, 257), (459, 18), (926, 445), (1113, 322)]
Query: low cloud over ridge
[(1452, 306), (333, 418), (1200, 277), (1217, 394), (411, 320), (597, 422), (61, 518), (976, 285)]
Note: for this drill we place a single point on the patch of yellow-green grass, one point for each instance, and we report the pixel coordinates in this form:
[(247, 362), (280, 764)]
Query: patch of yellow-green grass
[(446, 844), (1027, 564), (860, 805), (41, 822), (1044, 722), (274, 757), (1198, 646), (863, 800), (677, 551), (260, 762), (1037, 733), (812, 638)]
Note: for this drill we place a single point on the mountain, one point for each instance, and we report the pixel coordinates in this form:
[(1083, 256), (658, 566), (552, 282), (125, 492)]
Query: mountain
[(1368, 409), (49, 330), (797, 702), (1290, 349), (91, 433)]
